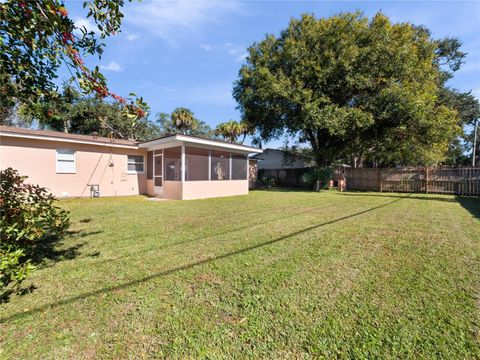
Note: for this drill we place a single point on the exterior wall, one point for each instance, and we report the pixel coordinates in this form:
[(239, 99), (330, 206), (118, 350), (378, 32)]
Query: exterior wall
[(150, 188), (207, 189), (172, 190), (275, 159), (37, 160)]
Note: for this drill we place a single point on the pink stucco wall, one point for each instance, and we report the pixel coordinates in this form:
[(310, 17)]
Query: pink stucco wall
[(206, 189), (172, 190), (149, 188), (37, 160)]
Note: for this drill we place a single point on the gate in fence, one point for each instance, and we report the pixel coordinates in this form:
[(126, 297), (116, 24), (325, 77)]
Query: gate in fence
[(458, 181)]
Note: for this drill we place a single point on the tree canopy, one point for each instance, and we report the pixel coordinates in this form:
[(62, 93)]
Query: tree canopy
[(72, 112), (183, 121), (355, 89), (37, 37), (232, 130)]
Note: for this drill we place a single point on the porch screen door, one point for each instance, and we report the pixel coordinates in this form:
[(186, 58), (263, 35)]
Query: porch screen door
[(158, 173)]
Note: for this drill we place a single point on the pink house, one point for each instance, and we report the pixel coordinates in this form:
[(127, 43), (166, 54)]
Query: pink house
[(172, 167)]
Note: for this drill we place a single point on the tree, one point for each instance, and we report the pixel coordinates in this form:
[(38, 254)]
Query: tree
[(351, 88), (232, 130), (72, 112), (468, 110), (183, 121), (37, 37)]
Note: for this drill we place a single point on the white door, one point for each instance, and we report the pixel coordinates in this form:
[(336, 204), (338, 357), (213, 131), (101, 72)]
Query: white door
[(158, 173)]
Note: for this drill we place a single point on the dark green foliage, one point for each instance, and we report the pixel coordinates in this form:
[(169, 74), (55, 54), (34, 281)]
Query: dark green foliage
[(317, 177), (27, 217), (75, 113), (351, 87), (267, 181)]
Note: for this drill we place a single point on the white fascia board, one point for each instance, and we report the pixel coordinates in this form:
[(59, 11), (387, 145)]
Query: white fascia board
[(174, 139), (51, 138)]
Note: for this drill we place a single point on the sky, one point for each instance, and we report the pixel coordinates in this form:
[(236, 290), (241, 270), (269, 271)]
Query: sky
[(188, 53)]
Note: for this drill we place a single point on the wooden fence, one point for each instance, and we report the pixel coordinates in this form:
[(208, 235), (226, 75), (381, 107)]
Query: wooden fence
[(459, 181)]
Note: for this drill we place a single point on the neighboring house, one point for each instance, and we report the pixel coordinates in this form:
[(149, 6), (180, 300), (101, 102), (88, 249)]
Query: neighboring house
[(173, 167), (279, 159)]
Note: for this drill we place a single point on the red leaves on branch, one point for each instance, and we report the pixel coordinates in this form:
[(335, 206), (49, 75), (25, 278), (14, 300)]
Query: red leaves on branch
[(66, 37), (62, 11), (101, 91)]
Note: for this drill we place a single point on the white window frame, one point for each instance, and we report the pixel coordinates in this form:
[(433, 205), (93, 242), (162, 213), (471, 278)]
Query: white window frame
[(134, 171), (57, 160)]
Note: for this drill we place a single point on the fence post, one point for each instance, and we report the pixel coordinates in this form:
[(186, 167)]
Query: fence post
[(379, 179), (426, 179)]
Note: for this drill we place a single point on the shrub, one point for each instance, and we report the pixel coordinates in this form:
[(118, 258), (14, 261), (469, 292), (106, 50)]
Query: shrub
[(27, 216), (267, 181), (317, 178)]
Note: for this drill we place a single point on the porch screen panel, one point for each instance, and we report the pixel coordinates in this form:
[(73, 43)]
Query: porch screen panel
[(158, 166), (239, 167), (149, 165), (220, 167), (172, 158), (196, 164)]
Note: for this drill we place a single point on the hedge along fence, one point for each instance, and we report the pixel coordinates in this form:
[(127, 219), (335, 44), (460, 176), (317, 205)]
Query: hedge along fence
[(458, 181), (283, 177)]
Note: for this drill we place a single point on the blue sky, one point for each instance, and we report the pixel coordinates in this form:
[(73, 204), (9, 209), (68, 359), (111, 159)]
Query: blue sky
[(188, 53)]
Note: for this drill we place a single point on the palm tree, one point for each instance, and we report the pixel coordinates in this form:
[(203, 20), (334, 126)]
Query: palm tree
[(232, 130), (183, 120)]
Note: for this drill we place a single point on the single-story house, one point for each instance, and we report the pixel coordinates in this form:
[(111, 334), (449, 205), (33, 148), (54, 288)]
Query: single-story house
[(173, 167), (280, 159)]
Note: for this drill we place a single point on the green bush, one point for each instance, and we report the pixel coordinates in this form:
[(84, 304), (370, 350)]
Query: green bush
[(267, 181), (317, 174), (27, 216)]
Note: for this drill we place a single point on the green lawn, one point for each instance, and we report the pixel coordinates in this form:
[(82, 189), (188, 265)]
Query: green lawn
[(275, 274)]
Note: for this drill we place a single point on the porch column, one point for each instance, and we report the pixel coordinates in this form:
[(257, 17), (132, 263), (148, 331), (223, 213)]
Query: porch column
[(230, 168), (182, 168), (209, 165)]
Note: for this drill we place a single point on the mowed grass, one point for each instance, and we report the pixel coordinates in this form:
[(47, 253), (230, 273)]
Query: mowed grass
[(275, 274)]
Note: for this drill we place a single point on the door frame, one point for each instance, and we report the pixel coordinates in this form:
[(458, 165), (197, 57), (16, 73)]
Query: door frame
[(158, 190)]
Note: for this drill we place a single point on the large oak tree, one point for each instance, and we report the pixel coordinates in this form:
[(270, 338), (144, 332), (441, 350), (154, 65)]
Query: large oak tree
[(352, 88)]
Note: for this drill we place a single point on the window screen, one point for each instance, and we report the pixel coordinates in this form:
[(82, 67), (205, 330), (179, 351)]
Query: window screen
[(196, 161), (135, 163), (239, 167), (172, 158), (220, 166), (150, 165), (66, 161)]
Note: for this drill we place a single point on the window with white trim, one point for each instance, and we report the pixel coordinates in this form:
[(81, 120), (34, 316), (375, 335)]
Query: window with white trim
[(66, 163), (135, 164)]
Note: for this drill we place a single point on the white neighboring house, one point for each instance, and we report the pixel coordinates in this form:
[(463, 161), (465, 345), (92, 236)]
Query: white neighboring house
[(279, 159)]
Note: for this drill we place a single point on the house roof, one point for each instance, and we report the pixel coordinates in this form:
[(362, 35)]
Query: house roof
[(199, 141), (12, 131)]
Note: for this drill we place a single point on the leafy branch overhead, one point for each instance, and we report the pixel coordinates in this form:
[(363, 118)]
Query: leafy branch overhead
[(38, 37)]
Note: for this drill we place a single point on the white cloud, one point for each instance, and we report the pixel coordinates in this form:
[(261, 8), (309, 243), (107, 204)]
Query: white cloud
[(112, 66), (170, 20), (132, 36), (88, 24), (241, 57), (476, 93), (206, 47), (236, 51)]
